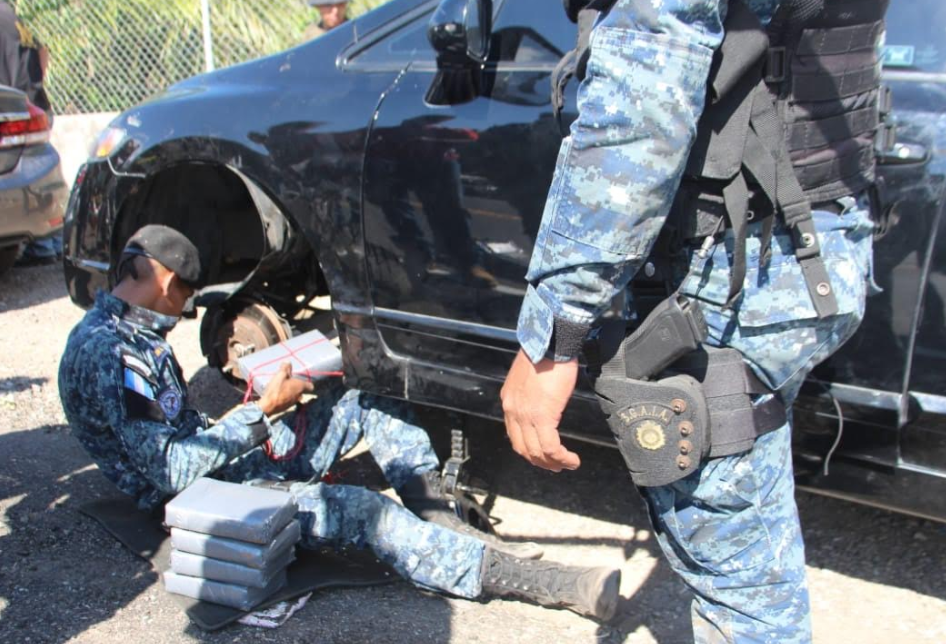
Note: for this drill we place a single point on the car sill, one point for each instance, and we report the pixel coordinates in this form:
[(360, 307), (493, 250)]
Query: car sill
[(444, 324), (101, 267)]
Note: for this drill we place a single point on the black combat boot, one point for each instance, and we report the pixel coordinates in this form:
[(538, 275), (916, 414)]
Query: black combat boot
[(421, 495), (587, 591)]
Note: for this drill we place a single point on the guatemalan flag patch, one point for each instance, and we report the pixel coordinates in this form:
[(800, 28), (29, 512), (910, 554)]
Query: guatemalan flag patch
[(135, 382)]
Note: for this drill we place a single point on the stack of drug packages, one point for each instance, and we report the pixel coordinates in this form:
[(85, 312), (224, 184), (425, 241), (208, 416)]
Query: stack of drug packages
[(231, 544)]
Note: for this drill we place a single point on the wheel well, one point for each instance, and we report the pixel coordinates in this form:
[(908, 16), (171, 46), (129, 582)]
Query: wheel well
[(250, 248)]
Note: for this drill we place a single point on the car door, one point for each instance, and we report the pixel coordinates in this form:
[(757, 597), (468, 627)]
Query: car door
[(916, 57), (453, 194), (890, 374)]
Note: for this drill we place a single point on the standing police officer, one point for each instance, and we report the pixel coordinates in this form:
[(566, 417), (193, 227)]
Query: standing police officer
[(126, 400), (767, 136)]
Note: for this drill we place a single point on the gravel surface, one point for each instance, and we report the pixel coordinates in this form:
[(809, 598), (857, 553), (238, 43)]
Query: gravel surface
[(875, 576)]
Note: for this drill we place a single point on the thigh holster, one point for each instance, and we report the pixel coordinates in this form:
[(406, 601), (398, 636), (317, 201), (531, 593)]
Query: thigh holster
[(662, 428), (703, 402)]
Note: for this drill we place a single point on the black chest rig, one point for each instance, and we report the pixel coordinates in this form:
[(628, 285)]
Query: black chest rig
[(794, 113)]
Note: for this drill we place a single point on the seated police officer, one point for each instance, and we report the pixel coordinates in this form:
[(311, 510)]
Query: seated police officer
[(125, 397)]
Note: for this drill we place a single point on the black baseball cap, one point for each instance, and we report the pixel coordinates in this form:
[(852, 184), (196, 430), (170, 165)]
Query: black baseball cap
[(171, 248)]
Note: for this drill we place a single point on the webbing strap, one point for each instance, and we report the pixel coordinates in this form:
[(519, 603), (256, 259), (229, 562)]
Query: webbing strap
[(765, 240), (790, 197), (736, 197), (574, 62), (735, 430), (741, 50)]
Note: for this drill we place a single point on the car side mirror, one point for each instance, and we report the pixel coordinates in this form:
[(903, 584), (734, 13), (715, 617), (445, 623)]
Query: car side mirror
[(459, 31)]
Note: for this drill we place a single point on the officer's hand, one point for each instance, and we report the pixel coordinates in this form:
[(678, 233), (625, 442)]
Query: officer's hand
[(283, 391), (534, 398)]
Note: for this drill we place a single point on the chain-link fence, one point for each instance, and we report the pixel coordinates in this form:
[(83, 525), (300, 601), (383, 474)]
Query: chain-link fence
[(108, 55)]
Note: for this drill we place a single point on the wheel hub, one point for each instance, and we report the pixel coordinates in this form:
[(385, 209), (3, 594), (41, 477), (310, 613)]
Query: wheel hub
[(251, 329)]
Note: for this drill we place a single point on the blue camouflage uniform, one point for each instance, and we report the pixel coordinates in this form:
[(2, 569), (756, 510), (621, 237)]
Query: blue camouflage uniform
[(731, 529), (126, 399)]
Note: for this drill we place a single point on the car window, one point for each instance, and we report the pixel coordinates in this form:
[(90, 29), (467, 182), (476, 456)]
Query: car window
[(521, 35), (517, 29), (407, 43), (916, 36)]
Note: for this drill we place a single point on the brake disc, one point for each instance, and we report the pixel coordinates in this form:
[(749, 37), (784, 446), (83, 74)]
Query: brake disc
[(252, 328)]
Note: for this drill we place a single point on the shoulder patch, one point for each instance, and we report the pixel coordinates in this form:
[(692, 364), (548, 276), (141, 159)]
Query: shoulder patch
[(137, 383), (170, 402), (136, 364)]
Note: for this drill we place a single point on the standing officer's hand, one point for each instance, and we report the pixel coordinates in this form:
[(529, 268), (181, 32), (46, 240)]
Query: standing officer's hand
[(283, 391), (534, 398)]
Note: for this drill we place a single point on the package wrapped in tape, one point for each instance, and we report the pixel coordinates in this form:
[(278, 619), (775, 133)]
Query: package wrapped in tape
[(218, 592), (252, 555), (185, 563), (311, 354), (230, 510)]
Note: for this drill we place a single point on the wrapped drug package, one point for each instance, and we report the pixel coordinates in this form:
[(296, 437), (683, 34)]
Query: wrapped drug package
[(186, 563), (218, 592), (311, 354), (252, 555), (230, 510)]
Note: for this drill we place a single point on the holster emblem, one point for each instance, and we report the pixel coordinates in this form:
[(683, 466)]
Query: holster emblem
[(650, 435)]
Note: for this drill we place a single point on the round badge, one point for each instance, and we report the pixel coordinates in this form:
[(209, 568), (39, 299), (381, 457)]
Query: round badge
[(650, 435), (170, 402)]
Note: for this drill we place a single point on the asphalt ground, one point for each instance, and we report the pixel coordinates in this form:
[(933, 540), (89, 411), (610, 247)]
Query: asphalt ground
[(875, 577)]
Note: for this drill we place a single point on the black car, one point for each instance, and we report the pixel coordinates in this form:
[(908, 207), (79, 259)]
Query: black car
[(409, 192)]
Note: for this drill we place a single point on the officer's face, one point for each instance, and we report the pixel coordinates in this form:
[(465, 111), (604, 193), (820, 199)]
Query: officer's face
[(332, 15), (177, 295)]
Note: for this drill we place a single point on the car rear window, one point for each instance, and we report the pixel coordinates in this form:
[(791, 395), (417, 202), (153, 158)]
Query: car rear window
[(916, 36)]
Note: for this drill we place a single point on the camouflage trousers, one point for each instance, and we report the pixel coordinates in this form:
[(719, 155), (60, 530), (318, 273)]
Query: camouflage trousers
[(334, 423), (343, 515), (731, 529)]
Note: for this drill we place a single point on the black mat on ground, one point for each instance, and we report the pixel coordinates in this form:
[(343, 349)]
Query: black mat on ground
[(312, 570)]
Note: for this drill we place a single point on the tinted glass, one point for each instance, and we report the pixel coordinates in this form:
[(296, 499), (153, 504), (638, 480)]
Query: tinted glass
[(408, 43), (525, 34), (916, 36)]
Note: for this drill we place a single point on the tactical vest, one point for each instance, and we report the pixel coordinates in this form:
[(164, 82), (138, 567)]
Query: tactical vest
[(794, 112)]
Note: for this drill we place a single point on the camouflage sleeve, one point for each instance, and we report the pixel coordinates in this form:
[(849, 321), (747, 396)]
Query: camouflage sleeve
[(618, 170), (168, 457)]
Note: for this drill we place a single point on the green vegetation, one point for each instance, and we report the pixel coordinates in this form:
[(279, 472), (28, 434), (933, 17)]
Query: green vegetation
[(111, 54)]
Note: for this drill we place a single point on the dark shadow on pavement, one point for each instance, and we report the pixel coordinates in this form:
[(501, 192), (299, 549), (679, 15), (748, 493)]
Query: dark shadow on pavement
[(60, 574), (17, 384), (21, 288)]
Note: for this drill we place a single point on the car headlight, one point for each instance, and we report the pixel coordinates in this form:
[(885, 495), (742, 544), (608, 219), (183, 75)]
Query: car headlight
[(107, 142)]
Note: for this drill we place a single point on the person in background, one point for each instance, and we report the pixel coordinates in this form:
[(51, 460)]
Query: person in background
[(23, 66), (331, 15)]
